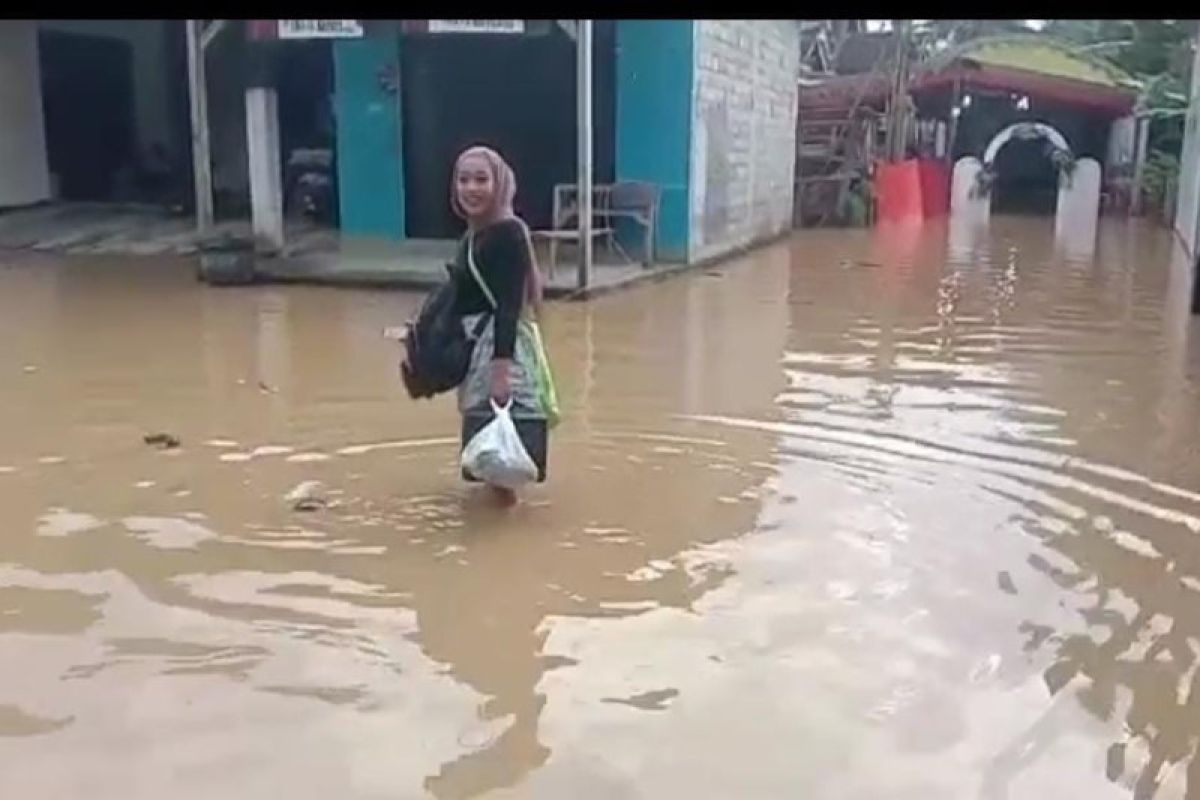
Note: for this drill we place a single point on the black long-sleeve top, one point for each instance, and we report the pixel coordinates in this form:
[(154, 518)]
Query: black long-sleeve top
[(502, 257)]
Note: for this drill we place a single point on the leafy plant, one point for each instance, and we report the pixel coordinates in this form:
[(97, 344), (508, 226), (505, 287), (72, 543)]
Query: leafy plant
[(1160, 177), (985, 179), (1063, 161)]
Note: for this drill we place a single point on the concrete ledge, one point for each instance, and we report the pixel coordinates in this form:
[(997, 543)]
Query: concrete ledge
[(285, 271), (424, 276), (314, 256)]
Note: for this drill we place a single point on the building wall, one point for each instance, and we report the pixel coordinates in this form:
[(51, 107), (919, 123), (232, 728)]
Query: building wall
[(1187, 210), (24, 175), (704, 110), (371, 193), (1122, 140), (743, 146), (655, 80)]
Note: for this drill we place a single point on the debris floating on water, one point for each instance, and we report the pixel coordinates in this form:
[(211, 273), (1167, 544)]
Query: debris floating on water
[(163, 441), (307, 496)]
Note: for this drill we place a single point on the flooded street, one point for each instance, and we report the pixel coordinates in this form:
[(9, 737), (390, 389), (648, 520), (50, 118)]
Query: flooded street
[(860, 516)]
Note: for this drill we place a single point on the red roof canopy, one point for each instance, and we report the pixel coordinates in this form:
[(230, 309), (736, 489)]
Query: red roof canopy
[(1066, 91)]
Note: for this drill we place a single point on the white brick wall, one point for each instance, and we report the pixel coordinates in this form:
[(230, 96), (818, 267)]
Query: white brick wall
[(743, 133)]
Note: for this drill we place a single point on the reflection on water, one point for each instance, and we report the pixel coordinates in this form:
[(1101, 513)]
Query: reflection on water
[(871, 514)]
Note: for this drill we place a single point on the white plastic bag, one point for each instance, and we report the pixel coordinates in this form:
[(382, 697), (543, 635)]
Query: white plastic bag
[(497, 456)]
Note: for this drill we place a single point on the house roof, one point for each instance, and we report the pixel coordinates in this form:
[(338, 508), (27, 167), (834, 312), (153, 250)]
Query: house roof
[(1044, 55), (1039, 66)]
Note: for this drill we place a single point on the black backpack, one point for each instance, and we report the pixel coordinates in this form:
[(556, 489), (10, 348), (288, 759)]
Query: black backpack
[(438, 349)]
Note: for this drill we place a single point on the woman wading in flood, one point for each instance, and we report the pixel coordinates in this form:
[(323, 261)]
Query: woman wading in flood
[(498, 277)]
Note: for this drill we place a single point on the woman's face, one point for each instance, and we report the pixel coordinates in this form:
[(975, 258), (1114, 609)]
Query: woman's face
[(475, 187)]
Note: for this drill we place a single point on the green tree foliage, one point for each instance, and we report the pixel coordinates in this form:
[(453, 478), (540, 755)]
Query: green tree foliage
[(1145, 48), (933, 36), (1155, 51)]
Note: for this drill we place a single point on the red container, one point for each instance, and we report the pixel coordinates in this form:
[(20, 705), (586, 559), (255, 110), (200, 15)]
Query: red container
[(912, 189), (898, 192), (935, 188)]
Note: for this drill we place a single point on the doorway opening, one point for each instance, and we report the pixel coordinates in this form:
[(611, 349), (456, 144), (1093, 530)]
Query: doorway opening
[(114, 99), (1026, 179), (307, 133), (515, 93), (87, 100)]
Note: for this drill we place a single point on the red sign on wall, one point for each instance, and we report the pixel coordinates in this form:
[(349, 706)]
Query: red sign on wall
[(262, 29)]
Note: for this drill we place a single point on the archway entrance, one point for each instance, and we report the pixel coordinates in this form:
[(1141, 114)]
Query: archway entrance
[(1025, 160), (1022, 180)]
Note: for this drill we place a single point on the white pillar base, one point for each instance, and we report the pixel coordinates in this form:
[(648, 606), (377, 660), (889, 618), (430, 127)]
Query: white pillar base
[(266, 170)]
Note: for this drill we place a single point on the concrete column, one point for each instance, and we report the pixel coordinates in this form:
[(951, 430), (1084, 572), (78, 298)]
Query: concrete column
[(583, 102), (201, 147), (1078, 211), (266, 171)]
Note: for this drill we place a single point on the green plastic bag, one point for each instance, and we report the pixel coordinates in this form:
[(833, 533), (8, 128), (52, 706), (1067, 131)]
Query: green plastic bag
[(547, 392)]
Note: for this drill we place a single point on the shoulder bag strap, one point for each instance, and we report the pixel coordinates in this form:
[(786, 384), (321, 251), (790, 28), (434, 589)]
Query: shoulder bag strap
[(533, 288), (483, 287)]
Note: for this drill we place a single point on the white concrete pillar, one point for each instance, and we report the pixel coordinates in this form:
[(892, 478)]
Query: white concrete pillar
[(583, 102), (1078, 213), (266, 168), (201, 147), (969, 213), (963, 198)]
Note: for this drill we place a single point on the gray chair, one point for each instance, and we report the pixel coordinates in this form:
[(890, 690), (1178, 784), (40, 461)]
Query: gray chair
[(639, 202), (566, 212)]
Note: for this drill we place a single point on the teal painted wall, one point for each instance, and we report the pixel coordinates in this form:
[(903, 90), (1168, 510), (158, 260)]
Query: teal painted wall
[(655, 75), (370, 164)]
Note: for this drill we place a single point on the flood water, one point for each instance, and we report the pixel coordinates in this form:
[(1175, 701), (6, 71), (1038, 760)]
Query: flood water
[(864, 515)]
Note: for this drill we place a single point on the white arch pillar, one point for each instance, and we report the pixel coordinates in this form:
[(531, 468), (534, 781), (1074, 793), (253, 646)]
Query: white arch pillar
[(1078, 213)]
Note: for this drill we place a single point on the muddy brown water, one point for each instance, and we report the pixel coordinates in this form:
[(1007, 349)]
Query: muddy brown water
[(860, 516)]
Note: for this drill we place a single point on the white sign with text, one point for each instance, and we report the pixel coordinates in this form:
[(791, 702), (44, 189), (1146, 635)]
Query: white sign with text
[(320, 29), (476, 26)]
